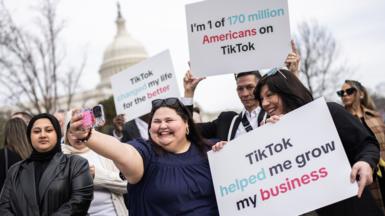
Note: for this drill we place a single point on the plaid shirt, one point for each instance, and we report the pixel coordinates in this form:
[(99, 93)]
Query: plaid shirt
[(377, 126)]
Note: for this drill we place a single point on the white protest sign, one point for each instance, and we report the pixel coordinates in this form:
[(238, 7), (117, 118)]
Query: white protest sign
[(136, 87), (237, 36), (288, 168)]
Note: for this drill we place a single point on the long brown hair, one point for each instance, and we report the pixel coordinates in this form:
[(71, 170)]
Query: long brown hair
[(366, 100), (16, 137), (284, 83)]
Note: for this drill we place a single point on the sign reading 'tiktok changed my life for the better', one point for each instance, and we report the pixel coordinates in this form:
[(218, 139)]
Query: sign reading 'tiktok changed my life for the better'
[(237, 36), (136, 87), (277, 168)]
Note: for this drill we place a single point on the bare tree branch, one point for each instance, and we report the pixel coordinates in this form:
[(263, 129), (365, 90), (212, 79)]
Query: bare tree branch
[(320, 63), (31, 63)]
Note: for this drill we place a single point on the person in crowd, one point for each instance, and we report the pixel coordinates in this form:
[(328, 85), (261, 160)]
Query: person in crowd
[(357, 101), (134, 129), (280, 91), (231, 124), (169, 174), (197, 114), (47, 182), (16, 146), (26, 117), (108, 186), (60, 116)]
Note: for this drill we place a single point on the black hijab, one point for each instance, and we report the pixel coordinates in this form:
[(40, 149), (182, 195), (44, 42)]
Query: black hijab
[(44, 156)]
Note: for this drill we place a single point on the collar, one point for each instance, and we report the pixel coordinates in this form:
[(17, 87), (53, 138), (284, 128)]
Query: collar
[(253, 114)]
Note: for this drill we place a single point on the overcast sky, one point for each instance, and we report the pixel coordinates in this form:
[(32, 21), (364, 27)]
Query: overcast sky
[(358, 27)]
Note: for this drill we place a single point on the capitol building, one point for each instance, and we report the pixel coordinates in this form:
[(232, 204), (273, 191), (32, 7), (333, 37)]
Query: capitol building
[(123, 52)]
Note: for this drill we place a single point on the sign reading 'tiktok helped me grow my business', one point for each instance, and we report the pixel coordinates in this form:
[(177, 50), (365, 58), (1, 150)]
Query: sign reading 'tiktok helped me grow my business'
[(276, 168)]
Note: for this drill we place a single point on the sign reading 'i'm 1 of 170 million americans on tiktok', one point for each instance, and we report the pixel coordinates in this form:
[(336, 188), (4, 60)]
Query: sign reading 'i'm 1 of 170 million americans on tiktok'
[(237, 36)]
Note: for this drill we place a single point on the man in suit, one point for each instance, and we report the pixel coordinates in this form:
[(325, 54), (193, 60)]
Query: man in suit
[(230, 124)]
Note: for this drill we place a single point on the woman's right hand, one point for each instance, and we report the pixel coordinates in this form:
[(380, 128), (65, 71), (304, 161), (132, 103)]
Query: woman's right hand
[(76, 125), (218, 146)]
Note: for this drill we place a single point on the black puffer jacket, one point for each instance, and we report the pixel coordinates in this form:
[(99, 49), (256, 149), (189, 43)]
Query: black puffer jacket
[(66, 188)]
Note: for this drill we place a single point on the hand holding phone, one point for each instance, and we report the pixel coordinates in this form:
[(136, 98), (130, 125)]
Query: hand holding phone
[(93, 117)]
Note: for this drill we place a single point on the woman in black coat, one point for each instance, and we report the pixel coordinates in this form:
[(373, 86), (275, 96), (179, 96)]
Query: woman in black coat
[(48, 182), (280, 92)]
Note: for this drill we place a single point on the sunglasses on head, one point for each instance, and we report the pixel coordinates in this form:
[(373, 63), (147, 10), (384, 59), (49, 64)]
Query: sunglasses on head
[(272, 72), (348, 91), (168, 102)]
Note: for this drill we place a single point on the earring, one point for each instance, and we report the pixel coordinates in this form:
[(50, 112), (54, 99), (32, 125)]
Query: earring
[(187, 131)]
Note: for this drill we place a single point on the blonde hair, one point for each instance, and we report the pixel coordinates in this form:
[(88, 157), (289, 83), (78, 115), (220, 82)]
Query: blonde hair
[(15, 137), (366, 100)]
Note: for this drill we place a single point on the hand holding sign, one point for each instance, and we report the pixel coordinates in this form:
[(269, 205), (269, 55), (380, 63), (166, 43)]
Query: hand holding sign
[(190, 83)]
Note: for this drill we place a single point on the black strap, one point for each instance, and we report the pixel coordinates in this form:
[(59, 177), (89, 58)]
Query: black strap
[(246, 123), (261, 115)]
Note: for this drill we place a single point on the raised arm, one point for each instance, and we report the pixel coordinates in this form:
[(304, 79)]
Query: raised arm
[(126, 157), (190, 83), (292, 61)]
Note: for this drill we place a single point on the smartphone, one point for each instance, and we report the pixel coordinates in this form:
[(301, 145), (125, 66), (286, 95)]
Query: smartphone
[(88, 119), (93, 117), (98, 112)]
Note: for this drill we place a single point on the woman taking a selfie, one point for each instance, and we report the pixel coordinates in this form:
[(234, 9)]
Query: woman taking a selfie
[(169, 174), (357, 101), (47, 182), (280, 92)]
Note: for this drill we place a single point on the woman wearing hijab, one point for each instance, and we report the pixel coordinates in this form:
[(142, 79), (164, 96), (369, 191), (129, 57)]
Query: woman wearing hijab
[(48, 182)]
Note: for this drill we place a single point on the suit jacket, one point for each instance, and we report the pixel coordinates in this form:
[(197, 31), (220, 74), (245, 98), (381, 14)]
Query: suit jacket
[(65, 188), (220, 127), (130, 131)]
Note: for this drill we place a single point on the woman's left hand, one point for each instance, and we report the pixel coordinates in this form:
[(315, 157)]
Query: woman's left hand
[(365, 173)]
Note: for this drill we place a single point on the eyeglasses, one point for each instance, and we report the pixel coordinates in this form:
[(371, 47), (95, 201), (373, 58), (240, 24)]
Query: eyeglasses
[(348, 91), (168, 102), (272, 72)]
